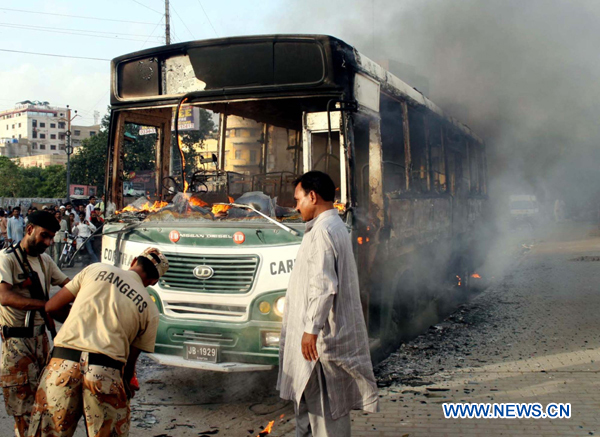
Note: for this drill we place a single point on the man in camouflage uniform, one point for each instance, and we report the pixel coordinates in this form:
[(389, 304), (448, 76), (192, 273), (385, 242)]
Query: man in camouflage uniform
[(25, 346), (111, 321)]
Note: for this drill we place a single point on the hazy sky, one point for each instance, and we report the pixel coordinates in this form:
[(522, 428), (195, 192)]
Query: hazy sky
[(84, 84)]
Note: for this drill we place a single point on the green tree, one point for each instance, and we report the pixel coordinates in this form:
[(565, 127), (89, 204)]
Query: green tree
[(43, 182), (32, 182), (88, 165), (139, 150), (54, 182), (10, 178)]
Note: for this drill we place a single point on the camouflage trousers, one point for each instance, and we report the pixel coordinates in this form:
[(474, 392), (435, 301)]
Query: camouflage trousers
[(70, 389), (23, 360)]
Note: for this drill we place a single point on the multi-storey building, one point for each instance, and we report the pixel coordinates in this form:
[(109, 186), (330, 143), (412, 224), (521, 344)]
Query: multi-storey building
[(80, 133), (35, 128), (37, 125)]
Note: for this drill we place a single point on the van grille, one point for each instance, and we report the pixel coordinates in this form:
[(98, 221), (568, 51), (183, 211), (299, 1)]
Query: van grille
[(233, 273)]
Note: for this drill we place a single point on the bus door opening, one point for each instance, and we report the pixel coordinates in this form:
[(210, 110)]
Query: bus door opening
[(324, 151)]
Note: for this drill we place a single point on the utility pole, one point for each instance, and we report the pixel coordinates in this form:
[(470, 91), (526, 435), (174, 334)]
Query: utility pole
[(69, 150), (167, 24)]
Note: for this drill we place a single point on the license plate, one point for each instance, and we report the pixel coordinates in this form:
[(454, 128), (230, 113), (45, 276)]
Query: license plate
[(202, 352)]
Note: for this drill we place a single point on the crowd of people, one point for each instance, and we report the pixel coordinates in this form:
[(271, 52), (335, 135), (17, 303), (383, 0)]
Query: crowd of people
[(80, 222)]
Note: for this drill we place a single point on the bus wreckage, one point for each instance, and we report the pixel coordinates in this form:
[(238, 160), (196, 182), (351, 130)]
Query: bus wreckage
[(257, 112)]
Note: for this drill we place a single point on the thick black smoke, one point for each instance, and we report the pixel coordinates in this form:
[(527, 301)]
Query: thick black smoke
[(524, 75)]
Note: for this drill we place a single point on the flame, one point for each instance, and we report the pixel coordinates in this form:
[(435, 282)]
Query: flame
[(339, 206), (476, 276), (216, 209), (459, 280), (360, 240), (195, 201), (267, 430), (146, 207)]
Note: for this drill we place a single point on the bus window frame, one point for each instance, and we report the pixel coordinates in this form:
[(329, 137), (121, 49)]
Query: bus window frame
[(160, 118), (315, 123)]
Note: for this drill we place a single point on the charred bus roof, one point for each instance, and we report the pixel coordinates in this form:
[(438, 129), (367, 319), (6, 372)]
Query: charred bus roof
[(251, 67), (239, 66)]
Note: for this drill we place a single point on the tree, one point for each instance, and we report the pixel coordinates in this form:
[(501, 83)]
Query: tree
[(139, 150), (31, 182), (54, 182), (43, 182), (10, 178), (88, 165)]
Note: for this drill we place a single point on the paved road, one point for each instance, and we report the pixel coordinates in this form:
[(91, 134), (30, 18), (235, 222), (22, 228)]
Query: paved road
[(533, 336)]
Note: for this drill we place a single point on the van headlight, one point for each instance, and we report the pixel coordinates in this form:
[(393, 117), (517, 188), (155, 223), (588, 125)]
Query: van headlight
[(279, 306)]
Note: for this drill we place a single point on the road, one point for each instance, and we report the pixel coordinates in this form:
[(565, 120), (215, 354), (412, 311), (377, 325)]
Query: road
[(532, 336)]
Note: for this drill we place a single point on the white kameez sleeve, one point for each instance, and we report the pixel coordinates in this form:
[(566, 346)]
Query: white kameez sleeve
[(323, 283)]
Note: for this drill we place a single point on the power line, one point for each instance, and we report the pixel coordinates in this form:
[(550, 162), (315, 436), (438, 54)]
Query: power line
[(56, 56), (28, 26), (209, 22), (76, 16), (147, 7), (18, 26), (176, 36), (181, 19), (153, 30)]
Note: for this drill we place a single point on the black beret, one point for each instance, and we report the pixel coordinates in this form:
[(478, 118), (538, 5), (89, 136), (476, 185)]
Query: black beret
[(44, 219)]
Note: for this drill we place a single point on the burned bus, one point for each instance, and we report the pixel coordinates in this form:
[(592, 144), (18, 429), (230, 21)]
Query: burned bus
[(225, 126)]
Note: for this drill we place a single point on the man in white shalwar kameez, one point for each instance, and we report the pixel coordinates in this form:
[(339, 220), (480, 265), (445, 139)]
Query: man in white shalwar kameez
[(324, 360)]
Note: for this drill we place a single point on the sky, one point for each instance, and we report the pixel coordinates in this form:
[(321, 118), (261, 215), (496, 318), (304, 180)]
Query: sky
[(59, 28)]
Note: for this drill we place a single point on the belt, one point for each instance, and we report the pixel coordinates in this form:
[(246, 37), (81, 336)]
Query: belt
[(93, 358), (22, 332)]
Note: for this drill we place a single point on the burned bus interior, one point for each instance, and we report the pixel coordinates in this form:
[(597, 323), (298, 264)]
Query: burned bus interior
[(237, 148)]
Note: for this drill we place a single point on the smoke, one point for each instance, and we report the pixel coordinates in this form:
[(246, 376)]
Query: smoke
[(523, 75)]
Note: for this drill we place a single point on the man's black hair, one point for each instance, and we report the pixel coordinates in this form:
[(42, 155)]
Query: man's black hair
[(68, 204), (92, 197), (149, 268), (18, 208), (318, 182)]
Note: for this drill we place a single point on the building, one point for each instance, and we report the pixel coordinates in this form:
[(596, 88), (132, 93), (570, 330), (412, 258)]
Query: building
[(37, 127), (42, 161), (80, 133)]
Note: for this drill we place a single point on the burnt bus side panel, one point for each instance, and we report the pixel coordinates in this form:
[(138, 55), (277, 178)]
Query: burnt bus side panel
[(418, 268)]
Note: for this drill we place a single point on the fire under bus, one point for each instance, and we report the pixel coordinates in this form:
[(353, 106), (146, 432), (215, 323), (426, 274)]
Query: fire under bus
[(224, 127)]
